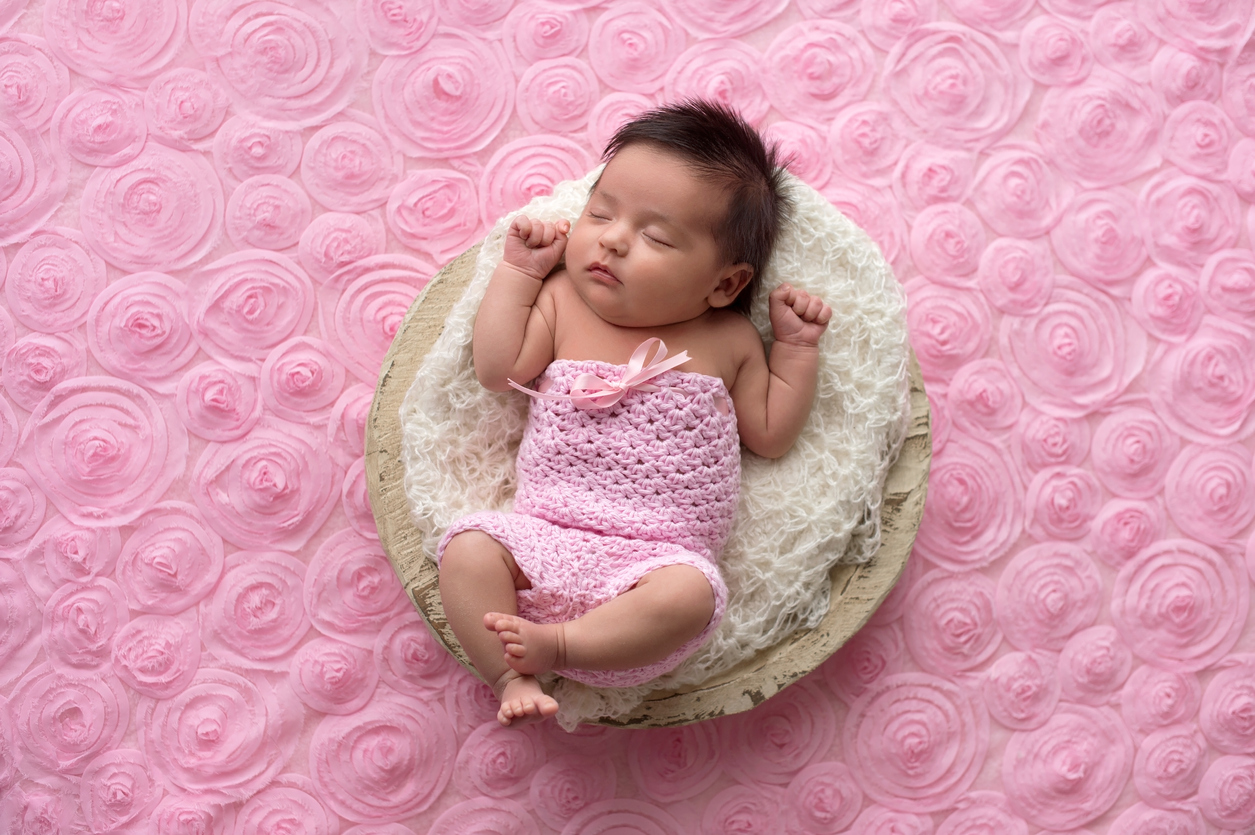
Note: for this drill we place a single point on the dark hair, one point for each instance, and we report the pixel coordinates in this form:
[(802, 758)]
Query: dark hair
[(723, 148)]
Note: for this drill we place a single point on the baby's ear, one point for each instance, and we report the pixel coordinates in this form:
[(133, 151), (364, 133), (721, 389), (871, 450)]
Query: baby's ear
[(734, 279)]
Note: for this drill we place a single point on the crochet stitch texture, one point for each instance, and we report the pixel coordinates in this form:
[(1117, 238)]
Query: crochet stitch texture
[(664, 467), (607, 495)]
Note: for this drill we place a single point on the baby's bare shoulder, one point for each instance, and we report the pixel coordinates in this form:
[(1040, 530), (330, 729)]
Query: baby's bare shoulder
[(737, 332)]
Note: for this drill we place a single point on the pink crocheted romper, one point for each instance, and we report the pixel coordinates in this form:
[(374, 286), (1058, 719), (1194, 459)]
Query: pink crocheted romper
[(606, 495)]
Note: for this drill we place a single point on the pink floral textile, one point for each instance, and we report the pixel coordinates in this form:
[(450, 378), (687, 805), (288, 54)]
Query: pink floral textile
[(215, 213)]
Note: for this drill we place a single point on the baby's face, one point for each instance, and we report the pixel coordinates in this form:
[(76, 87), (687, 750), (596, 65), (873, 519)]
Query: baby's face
[(643, 253)]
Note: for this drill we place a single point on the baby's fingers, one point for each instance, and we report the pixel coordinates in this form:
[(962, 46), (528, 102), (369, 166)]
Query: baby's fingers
[(522, 226), (800, 302), (813, 307)]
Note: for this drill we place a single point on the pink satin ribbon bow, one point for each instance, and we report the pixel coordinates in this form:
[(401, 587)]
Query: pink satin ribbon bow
[(588, 391)]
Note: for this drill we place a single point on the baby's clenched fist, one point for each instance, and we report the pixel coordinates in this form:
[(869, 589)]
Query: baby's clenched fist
[(796, 316), (535, 247)]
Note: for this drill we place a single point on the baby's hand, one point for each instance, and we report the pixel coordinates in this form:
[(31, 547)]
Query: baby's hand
[(534, 247), (797, 317)]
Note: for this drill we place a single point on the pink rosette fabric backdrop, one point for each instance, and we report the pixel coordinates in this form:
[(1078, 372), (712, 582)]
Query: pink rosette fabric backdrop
[(215, 213)]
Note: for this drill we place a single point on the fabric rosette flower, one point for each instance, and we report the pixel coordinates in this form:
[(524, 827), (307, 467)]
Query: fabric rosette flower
[(954, 83), (133, 41), (266, 53), (1204, 387), (267, 211), (532, 31), (568, 783), (1054, 53), (977, 509), (927, 173), (873, 652), (1061, 502), (38, 362), (1099, 239), (1093, 664), (1180, 603), (256, 617), (246, 147), (1169, 766), (160, 211), (171, 560), (361, 307), (816, 68), (1123, 527), (885, 22), (348, 166), (335, 240), (138, 330), (950, 622), (102, 450), (1076, 355), (1187, 219), (1210, 492), (272, 489), (184, 106), (1167, 304), (217, 403), (1101, 132), (386, 762), (1225, 715), (867, 140), (949, 327), (1021, 690), (451, 97), (1153, 698), (1070, 770), (802, 730), (526, 168), (1046, 593), (1121, 41), (80, 623), (434, 211), (99, 126), (221, 739), (350, 590), (53, 280), (118, 790), (157, 656), (911, 724), (409, 658), (45, 697), (726, 71), (1017, 194), (672, 764)]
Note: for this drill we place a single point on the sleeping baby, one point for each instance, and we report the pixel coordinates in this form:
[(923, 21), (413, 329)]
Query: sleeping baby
[(646, 375)]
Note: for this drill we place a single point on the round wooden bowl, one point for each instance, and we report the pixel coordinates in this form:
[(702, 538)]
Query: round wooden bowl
[(856, 589)]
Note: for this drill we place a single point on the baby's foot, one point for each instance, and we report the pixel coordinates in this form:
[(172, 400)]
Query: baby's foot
[(530, 648), (522, 700)]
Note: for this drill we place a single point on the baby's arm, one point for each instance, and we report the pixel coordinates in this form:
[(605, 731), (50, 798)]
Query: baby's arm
[(773, 397), (513, 337)]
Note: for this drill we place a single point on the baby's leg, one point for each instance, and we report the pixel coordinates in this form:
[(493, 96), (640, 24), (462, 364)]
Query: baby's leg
[(477, 576), (666, 609)]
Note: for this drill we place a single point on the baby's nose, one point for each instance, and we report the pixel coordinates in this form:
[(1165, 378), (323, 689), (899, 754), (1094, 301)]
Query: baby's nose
[(614, 238)]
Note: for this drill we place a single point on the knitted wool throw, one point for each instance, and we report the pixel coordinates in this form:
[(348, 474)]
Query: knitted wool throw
[(798, 515)]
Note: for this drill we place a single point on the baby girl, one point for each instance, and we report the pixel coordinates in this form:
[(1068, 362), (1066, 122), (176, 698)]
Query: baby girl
[(629, 470)]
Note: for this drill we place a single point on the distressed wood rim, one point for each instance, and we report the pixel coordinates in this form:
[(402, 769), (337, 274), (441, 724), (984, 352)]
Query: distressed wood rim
[(856, 589)]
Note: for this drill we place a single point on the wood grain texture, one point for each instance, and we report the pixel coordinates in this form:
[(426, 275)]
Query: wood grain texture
[(856, 589)]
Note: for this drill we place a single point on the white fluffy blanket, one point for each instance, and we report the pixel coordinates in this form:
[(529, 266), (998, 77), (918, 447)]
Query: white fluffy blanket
[(798, 515)]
